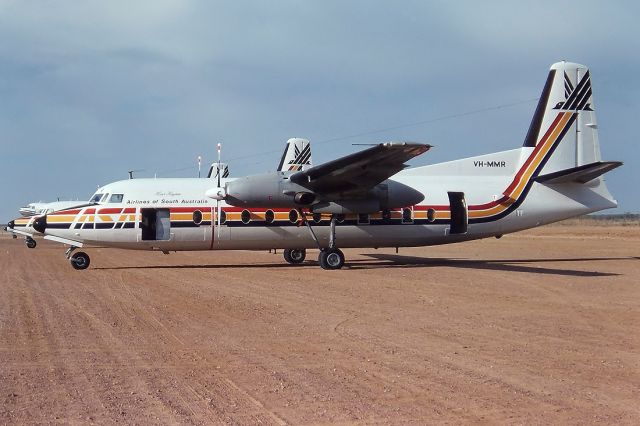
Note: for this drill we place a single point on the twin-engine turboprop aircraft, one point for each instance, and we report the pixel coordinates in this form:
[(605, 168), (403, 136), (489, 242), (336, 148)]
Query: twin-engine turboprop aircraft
[(366, 199)]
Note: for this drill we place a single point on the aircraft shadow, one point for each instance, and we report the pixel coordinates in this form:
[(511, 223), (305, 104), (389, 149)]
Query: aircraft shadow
[(508, 265), (216, 266), (399, 261)]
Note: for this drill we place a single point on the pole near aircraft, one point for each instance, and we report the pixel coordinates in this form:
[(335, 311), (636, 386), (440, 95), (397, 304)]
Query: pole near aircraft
[(367, 199)]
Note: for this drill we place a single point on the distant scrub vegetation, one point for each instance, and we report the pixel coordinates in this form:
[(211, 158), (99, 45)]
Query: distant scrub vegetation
[(625, 219)]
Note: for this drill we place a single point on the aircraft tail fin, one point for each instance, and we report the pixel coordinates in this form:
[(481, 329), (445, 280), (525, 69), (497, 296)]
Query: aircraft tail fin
[(216, 168), (296, 155), (564, 125)]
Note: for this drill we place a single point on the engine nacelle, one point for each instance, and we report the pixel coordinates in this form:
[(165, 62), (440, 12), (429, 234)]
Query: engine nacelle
[(275, 190), (267, 190), (394, 195)]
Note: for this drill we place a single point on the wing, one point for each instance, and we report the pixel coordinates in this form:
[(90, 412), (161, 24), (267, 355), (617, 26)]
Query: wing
[(360, 171)]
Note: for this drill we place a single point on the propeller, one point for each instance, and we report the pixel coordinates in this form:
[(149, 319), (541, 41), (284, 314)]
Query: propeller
[(218, 207), (219, 194)]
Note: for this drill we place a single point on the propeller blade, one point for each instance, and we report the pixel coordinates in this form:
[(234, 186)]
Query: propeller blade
[(219, 208)]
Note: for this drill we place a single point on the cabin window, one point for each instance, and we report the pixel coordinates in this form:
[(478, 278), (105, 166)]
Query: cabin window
[(269, 216), (293, 216), (245, 216), (116, 198), (407, 215), (197, 217), (431, 215)]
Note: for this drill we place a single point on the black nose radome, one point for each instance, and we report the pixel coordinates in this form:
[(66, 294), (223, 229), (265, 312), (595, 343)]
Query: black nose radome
[(11, 224), (40, 224)]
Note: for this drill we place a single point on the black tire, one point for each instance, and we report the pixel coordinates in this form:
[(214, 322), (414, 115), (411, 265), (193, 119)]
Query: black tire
[(80, 260), (31, 243), (295, 256), (331, 259)]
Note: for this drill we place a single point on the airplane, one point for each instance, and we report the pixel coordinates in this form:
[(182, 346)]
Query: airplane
[(23, 225), (33, 209), (367, 199)]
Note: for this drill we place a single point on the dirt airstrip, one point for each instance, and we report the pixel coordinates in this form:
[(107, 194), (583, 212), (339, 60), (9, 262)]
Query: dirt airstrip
[(539, 327)]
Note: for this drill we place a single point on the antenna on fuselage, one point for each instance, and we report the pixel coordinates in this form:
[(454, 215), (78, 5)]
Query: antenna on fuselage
[(131, 172), (199, 164)]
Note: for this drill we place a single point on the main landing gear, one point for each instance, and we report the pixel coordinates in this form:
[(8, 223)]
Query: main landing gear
[(295, 256), (79, 260), (330, 257)]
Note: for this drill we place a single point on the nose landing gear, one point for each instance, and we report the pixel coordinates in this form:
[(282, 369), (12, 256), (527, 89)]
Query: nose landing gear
[(79, 260), (30, 242)]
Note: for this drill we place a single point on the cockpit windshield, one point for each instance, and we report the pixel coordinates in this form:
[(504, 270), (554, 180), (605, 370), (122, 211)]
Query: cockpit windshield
[(116, 198), (95, 197)]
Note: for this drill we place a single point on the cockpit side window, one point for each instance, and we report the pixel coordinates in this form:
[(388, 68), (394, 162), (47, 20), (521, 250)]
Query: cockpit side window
[(104, 198), (116, 198), (96, 197)]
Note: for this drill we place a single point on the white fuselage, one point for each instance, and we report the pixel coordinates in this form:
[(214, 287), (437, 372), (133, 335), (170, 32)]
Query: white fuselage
[(500, 194)]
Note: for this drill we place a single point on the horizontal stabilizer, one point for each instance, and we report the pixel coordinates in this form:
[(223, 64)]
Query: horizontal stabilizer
[(580, 174)]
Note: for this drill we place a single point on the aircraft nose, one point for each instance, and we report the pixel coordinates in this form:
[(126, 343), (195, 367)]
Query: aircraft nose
[(11, 224), (40, 224)]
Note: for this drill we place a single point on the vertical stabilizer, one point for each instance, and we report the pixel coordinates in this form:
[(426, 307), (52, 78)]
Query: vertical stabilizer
[(216, 168), (296, 156), (566, 113)]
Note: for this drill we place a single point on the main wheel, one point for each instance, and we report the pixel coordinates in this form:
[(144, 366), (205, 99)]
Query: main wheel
[(31, 243), (295, 256), (80, 260), (331, 258)]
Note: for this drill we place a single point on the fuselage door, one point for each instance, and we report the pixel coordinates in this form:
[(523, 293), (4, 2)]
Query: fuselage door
[(155, 224), (459, 213)]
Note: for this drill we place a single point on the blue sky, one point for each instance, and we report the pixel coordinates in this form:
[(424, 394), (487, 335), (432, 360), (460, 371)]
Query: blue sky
[(91, 89)]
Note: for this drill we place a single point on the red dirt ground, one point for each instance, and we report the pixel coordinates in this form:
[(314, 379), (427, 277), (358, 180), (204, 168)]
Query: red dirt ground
[(540, 327)]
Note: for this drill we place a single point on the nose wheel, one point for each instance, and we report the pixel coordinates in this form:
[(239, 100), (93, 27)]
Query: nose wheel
[(80, 260), (30, 242)]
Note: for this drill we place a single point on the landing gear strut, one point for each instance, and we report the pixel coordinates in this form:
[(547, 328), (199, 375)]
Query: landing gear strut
[(79, 260), (30, 242), (295, 256), (330, 257)]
